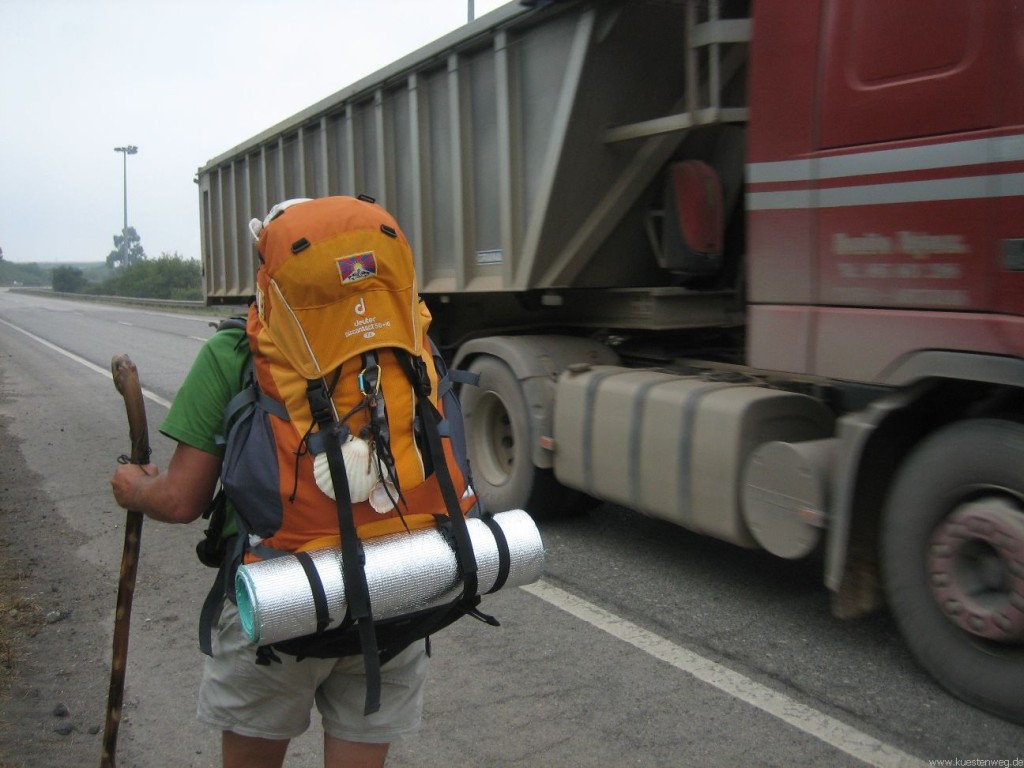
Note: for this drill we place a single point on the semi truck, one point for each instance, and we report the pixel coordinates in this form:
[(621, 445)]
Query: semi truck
[(752, 268)]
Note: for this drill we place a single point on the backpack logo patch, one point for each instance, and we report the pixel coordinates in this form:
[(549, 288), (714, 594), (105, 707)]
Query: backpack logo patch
[(364, 326), (358, 266)]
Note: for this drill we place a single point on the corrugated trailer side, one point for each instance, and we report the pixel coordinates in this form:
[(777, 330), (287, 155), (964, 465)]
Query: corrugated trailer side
[(514, 152)]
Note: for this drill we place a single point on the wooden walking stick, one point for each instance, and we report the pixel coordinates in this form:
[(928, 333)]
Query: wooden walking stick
[(126, 379)]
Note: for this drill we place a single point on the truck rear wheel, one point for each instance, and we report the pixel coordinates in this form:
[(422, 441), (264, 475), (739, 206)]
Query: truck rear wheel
[(498, 440), (953, 558)]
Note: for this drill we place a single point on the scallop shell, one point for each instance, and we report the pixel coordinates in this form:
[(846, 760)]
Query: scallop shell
[(382, 497), (360, 468)]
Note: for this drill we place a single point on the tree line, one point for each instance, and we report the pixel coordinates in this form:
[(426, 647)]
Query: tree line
[(127, 272), (169, 277)]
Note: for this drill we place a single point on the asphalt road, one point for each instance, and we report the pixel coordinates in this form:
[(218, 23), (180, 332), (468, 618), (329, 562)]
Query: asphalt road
[(643, 645)]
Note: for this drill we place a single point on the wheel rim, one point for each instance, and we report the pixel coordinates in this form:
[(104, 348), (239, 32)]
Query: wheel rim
[(976, 567), (493, 439)]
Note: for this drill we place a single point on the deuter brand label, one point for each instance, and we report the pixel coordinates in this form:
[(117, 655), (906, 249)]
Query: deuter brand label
[(367, 327)]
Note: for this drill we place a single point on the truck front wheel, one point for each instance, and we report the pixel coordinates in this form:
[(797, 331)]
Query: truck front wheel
[(953, 558), (498, 440)]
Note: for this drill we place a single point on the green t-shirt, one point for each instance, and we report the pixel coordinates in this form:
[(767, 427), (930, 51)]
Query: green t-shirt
[(217, 375)]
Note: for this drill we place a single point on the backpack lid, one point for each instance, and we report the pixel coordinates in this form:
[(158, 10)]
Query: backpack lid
[(337, 280)]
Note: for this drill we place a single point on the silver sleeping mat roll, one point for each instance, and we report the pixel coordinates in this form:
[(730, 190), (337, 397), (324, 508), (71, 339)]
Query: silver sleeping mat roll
[(405, 572)]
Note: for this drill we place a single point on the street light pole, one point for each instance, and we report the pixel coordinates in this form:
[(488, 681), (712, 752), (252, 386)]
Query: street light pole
[(125, 151)]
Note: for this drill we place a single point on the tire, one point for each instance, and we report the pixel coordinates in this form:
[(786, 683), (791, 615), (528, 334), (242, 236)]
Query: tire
[(498, 440), (953, 561)]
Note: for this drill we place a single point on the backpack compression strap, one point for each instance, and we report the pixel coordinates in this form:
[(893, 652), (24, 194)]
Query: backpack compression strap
[(430, 418), (467, 605), (352, 555)]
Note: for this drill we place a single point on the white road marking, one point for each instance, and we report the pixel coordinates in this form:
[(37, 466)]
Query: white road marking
[(817, 724), (82, 361)]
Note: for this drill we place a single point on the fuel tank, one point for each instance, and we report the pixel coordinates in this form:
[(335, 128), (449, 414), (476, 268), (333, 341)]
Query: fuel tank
[(673, 447)]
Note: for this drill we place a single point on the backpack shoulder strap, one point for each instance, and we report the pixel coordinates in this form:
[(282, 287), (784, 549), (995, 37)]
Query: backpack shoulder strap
[(235, 321), (214, 550), (221, 590), (250, 394)]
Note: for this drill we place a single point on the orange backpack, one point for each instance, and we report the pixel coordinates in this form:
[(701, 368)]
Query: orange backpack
[(337, 308), (350, 426)]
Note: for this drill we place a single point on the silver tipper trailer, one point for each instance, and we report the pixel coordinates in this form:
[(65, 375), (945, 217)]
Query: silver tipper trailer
[(520, 154)]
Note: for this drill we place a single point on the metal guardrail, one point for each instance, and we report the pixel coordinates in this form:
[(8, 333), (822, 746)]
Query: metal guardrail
[(172, 303)]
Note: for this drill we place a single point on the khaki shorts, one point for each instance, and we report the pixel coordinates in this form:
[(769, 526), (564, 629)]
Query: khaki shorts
[(275, 701)]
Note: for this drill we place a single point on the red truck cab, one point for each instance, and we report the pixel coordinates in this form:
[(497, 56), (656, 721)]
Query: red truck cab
[(885, 202), (886, 184)]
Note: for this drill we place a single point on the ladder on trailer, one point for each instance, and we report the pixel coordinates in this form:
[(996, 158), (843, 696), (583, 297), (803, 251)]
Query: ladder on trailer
[(711, 47)]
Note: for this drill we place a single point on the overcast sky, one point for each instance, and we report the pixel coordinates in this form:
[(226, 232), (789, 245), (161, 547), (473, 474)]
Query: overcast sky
[(184, 80)]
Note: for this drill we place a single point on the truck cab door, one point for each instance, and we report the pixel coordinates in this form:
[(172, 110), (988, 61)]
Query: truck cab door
[(909, 119)]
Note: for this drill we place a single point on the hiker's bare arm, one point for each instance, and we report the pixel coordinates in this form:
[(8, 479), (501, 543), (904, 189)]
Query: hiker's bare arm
[(179, 495)]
